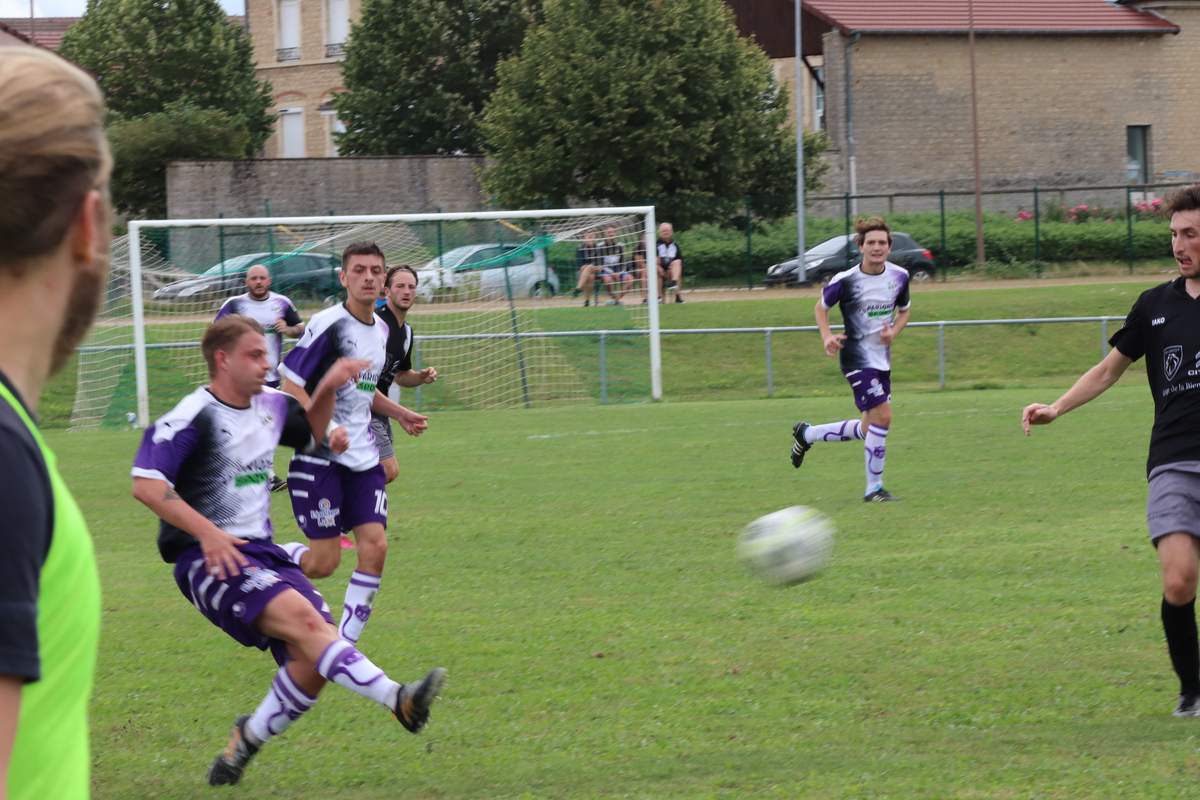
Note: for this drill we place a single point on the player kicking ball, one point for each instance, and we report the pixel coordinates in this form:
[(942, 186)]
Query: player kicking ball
[(873, 297), (203, 469)]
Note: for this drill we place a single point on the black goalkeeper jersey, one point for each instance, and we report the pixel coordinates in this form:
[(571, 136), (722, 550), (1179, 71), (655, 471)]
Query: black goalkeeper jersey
[(1164, 326)]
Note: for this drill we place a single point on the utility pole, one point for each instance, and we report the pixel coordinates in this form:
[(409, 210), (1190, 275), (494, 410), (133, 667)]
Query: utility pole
[(979, 254), (799, 107)]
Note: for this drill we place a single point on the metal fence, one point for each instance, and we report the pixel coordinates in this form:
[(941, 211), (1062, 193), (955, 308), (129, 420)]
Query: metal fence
[(768, 333)]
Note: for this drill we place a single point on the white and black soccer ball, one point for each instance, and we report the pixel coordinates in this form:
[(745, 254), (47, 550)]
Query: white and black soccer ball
[(787, 546)]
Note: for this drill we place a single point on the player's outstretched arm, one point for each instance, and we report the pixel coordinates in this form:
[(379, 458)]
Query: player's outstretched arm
[(416, 377), (221, 553), (414, 424), (1089, 386), (297, 391)]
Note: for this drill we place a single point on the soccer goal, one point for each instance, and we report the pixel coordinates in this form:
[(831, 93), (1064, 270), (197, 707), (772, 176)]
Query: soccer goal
[(491, 314)]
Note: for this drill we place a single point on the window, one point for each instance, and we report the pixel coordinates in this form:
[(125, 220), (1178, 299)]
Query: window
[(332, 126), (819, 100), (291, 133), (1137, 160), (289, 31), (337, 26)]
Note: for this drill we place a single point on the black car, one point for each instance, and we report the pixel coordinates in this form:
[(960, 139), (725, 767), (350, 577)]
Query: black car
[(303, 274), (841, 252)]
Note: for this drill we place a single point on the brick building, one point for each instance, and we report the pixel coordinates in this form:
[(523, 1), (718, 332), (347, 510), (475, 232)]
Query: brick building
[(298, 47), (1070, 92)]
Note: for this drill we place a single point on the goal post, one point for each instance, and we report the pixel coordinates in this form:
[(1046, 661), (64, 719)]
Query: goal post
[(487, 282)]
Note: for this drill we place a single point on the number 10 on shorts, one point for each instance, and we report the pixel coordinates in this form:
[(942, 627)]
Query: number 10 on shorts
[(381, 502)]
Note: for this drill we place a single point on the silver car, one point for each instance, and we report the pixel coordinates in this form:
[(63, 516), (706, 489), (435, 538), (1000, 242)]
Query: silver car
[(479, 270)]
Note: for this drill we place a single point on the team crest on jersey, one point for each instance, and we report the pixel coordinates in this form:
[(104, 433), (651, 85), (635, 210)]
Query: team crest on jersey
[(324, 515), (1172, 360)]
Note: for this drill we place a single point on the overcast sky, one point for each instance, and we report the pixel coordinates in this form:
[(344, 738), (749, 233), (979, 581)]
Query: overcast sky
[(74, 8)]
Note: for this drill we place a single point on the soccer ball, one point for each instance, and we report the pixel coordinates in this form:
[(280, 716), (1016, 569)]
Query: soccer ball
[(787, 546)]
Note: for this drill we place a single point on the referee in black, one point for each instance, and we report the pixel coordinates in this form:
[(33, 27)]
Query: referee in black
[(1164, 326)]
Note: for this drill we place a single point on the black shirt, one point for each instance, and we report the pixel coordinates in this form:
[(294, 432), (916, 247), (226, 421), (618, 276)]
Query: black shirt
[(587, 254), (398, 356), (28, 503), (1164, 326)]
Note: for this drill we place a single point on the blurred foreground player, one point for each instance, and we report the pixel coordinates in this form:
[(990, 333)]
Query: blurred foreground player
[(54, 235)]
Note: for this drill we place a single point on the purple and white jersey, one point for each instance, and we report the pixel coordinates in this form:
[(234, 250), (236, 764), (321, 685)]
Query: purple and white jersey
[(218, 459), (867, 303), (265, 312), (332, 334)]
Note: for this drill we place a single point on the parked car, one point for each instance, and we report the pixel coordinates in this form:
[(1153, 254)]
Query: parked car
[(831, 257), (312, 274), (481, 268)]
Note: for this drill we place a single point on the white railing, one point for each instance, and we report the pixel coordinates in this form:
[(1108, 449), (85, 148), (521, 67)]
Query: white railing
[(766, 332)]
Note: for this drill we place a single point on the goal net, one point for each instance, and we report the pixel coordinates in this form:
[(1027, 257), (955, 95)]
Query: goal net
[(491, 311)]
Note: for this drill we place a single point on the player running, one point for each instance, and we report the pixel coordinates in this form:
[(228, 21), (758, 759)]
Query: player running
[(202, 468), (401, 288), (334, 491), (873, 297), (277, 316)]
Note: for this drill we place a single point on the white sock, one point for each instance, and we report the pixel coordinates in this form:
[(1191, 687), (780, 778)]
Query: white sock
[(360, 599), (295, 551), (842, 431), (875, 452), (344, 665), (282, 706)]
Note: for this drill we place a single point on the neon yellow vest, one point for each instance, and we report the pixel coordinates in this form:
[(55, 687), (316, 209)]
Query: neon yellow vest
[(50, 755)]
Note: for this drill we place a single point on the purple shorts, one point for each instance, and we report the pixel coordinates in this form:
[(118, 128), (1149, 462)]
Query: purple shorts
[(234, 604), (328, 498), (871, 387)]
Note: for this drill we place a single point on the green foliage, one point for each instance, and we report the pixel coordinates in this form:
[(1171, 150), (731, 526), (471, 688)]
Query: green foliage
[(719, 251), (143, 145), (418, 72), (149, 54), (663, 103)]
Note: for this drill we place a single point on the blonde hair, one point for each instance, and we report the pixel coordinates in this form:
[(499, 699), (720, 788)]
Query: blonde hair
[(52, 150)]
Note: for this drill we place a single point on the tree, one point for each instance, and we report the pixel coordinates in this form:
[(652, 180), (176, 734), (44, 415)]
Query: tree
[(418, 72), (663, 102), (147, 54), (142, 147)]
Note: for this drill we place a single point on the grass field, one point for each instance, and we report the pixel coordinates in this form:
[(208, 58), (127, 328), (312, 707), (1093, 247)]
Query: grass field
[(730, 366), (995, 635)]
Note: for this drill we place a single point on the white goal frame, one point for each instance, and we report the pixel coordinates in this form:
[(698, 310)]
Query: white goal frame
[(135, 268)]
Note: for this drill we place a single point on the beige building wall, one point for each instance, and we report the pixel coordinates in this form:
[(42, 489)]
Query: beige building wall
[(1053, 110), (304, 80), (812, 101)]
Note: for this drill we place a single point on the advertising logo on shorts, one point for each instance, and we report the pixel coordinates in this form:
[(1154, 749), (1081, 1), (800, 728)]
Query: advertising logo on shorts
[(323, 514), (1172, 360)]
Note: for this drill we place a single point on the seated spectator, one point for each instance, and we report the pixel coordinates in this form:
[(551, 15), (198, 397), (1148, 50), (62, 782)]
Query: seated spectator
[(670, 263), (590, 262)]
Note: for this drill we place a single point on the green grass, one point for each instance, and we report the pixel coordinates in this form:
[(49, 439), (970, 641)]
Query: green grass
[(995, 635), (714, 367)]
